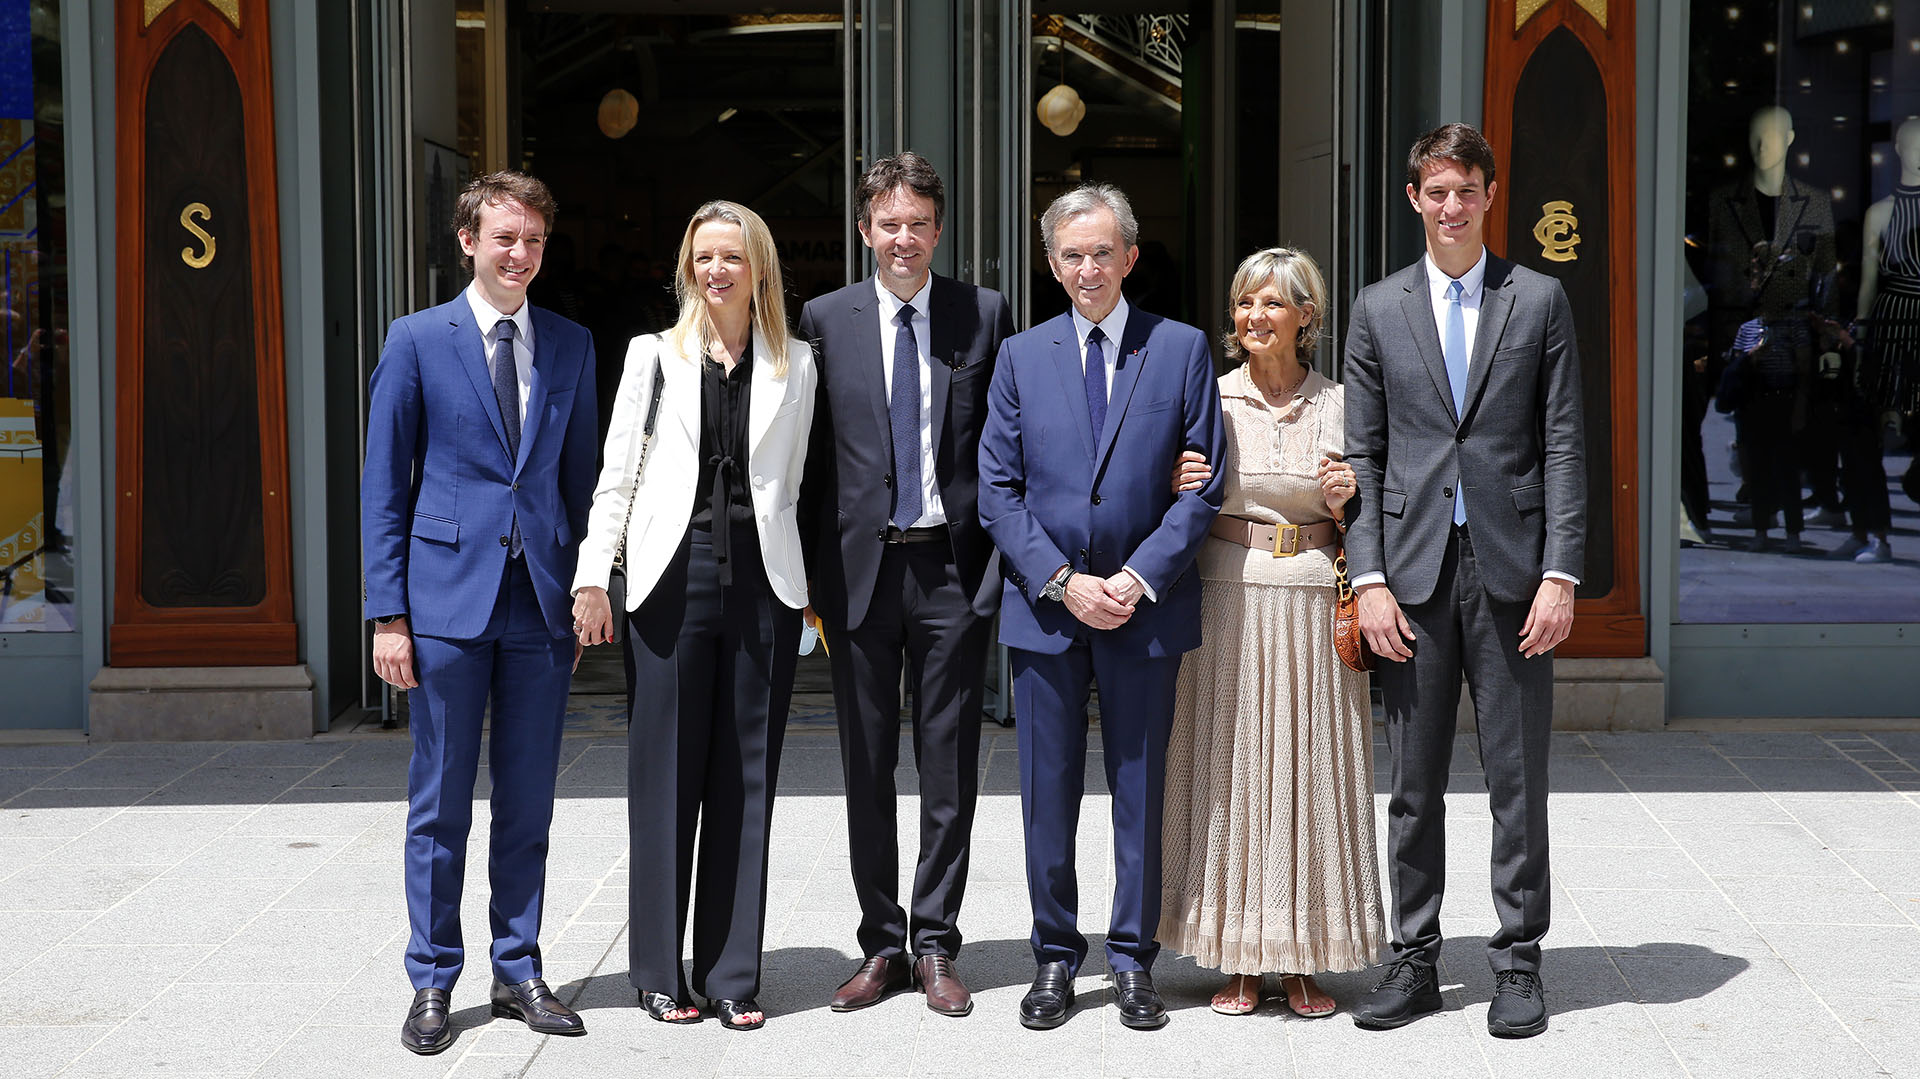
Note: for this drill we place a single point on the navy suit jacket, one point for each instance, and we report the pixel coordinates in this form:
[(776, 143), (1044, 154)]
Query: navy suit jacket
[(439, 492), (848, 494), (1050, 497)]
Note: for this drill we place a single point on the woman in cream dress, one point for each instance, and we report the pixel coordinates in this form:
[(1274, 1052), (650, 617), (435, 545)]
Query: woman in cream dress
[(1269, 863)]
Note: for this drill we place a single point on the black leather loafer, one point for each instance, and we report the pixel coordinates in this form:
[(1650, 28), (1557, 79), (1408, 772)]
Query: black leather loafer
[(426, 1030), (1409, 990), (1140, 1006), (534, 1004), (1519, 1008), (1046, 1004)]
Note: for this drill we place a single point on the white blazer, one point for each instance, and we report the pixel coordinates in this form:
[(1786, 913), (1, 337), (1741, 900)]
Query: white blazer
[(779, 416)]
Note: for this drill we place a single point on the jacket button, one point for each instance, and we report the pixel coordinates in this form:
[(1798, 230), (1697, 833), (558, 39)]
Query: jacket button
[(1096, 498), (1446, 492), (503, 541), (1083, 554), (513, 486), (880, 534), (1461, 437), (887, 479)]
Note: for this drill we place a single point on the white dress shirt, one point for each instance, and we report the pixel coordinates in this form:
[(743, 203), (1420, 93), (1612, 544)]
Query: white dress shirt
[(1114, 326), (931, 511), (485, 317), (1471, 293)]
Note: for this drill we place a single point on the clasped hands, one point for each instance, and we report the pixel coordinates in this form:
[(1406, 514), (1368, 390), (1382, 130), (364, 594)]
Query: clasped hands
[(1103, 603)]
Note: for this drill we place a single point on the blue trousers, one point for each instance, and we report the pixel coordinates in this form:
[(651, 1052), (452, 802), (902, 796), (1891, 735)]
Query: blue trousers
[(1136, 718), (524, 670)]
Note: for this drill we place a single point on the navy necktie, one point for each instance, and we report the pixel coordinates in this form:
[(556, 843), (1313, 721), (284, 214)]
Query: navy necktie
[(903, 411), (506, 390), (1096, 383), (1453, 347)]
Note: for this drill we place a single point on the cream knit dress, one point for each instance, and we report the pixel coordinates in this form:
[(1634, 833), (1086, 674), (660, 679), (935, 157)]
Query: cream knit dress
[(1269, 862)]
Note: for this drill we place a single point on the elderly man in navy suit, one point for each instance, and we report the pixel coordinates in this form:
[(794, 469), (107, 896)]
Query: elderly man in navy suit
[(480, 469), (1088, 414)]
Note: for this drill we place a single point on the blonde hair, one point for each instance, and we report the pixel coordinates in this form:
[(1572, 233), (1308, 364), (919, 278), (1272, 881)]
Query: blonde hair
[(1298, 279), (693, 332)]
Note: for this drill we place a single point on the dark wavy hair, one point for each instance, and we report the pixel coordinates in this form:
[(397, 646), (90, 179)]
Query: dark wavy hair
[(908, 170), (1462, 144), (498, 189)]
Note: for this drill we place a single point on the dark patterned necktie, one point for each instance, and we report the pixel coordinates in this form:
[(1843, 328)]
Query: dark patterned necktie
[(1096, 382), (506, 390), (903, 411)]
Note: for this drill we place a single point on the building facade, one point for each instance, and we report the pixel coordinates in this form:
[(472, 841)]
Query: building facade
[(211, 209)]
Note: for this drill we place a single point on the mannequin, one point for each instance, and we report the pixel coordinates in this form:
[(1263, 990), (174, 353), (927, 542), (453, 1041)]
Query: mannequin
[(1889, 307), (1770, 238)]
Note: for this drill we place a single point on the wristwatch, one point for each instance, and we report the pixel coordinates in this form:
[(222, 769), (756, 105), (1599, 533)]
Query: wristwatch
[(1056, 588), (388, 620)]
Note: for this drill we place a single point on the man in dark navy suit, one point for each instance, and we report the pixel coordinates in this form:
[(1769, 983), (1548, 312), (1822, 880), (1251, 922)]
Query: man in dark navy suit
[(479, 473), (1089, 412), (900, 566)]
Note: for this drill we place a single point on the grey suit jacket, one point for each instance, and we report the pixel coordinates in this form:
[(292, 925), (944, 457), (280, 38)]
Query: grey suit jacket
[(1519, 448)]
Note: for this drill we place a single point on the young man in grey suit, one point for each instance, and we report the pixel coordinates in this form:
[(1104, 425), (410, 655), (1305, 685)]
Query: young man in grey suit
[(1464, 431), (901, 568)]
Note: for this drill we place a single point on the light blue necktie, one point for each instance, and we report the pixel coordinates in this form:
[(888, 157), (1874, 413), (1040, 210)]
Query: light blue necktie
[(1453, 346)]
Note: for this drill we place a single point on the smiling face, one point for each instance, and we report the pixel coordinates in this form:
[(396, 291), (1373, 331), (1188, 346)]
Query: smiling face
[(1452, 202), (1267, 325), (902, 233), (719, 269), (506, 248), (1090, 259)]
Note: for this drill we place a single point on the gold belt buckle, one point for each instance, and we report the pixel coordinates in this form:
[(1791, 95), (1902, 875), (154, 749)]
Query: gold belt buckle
[(1286, 541)]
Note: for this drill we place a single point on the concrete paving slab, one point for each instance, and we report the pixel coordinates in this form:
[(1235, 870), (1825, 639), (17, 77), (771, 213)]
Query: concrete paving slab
[(35, 1052), (171, 1035), (91, 984), (185, 913), (54, 886)]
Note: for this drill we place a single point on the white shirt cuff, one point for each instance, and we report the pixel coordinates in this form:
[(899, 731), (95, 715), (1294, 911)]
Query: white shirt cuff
[(1556, 575), (1369, 578), (1144, 586)]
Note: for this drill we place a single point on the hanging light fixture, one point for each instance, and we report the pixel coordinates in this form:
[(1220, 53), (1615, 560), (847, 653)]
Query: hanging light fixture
[(619, 111), (1060, 109)]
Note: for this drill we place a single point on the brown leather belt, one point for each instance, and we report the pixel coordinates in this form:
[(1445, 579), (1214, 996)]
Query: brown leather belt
[(1284, 541)]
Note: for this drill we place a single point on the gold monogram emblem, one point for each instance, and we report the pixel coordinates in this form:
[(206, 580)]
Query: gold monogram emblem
[(1555, 231), (205, 258)]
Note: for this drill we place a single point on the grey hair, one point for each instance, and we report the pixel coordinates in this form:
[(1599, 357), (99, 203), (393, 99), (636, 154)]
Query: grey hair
[(1298, 278), (1085, 199)]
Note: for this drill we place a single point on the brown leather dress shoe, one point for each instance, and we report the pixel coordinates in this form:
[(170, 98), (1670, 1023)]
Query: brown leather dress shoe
[(877, 979), (534, 1004), (945, 992)]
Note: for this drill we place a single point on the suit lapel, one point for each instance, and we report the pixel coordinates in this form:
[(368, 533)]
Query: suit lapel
[(680, 397), (1417, 305), (543, 334), (1073, 379), (1126, 375), (763, 396), (942, 350), (1792, 204), (873, 363), (1496, 303), (471, 353)]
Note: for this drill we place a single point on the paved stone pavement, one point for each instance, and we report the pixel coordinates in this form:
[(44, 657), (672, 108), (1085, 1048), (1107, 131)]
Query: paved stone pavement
[(1726, 904)]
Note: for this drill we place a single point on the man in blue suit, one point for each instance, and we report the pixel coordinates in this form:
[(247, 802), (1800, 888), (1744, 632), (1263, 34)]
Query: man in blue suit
[(480, 469), (1087, 415)]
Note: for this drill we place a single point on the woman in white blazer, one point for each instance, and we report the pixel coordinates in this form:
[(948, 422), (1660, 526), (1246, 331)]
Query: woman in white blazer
[(715, 586)]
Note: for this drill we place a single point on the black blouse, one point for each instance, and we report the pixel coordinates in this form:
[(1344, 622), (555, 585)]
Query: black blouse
[(724, 401)]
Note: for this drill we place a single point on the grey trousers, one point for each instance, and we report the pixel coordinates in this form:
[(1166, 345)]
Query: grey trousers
[(1464, 631)]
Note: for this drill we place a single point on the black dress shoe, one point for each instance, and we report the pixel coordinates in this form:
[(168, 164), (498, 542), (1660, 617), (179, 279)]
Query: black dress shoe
[(1409, 990), (1519, 1008), (1140, 1006), (534, 1004), (1046, 1003), (426, 1030)]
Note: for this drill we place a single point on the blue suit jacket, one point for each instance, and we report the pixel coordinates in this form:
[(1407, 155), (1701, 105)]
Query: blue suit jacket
[(1049, 496), (439, 493)]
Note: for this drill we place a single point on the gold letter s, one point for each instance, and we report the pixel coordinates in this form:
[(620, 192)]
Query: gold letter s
[(205, 258)]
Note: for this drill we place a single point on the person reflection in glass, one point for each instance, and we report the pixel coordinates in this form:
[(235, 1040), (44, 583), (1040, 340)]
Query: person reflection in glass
[(1889, 307)]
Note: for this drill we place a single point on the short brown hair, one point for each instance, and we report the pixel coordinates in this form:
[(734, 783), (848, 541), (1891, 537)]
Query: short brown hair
[(498, 189), (908, 170), (1462, 144)]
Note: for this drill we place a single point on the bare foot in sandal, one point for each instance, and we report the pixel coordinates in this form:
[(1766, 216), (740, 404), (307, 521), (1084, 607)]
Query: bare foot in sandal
[(1240, 996), (1306, 999)]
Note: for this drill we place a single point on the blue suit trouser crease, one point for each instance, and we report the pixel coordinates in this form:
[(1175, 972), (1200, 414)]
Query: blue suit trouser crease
[(1464, 631), (524, 671), (713, 676), (1136, 718)]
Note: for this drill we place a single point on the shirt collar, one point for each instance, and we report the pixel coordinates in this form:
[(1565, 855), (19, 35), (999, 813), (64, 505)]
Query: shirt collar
[(485, 316), (1114, 325), (890, 304), (1469, 282)]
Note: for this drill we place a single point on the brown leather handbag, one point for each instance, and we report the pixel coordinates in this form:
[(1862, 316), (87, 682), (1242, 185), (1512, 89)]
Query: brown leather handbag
[(1348, 641)]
